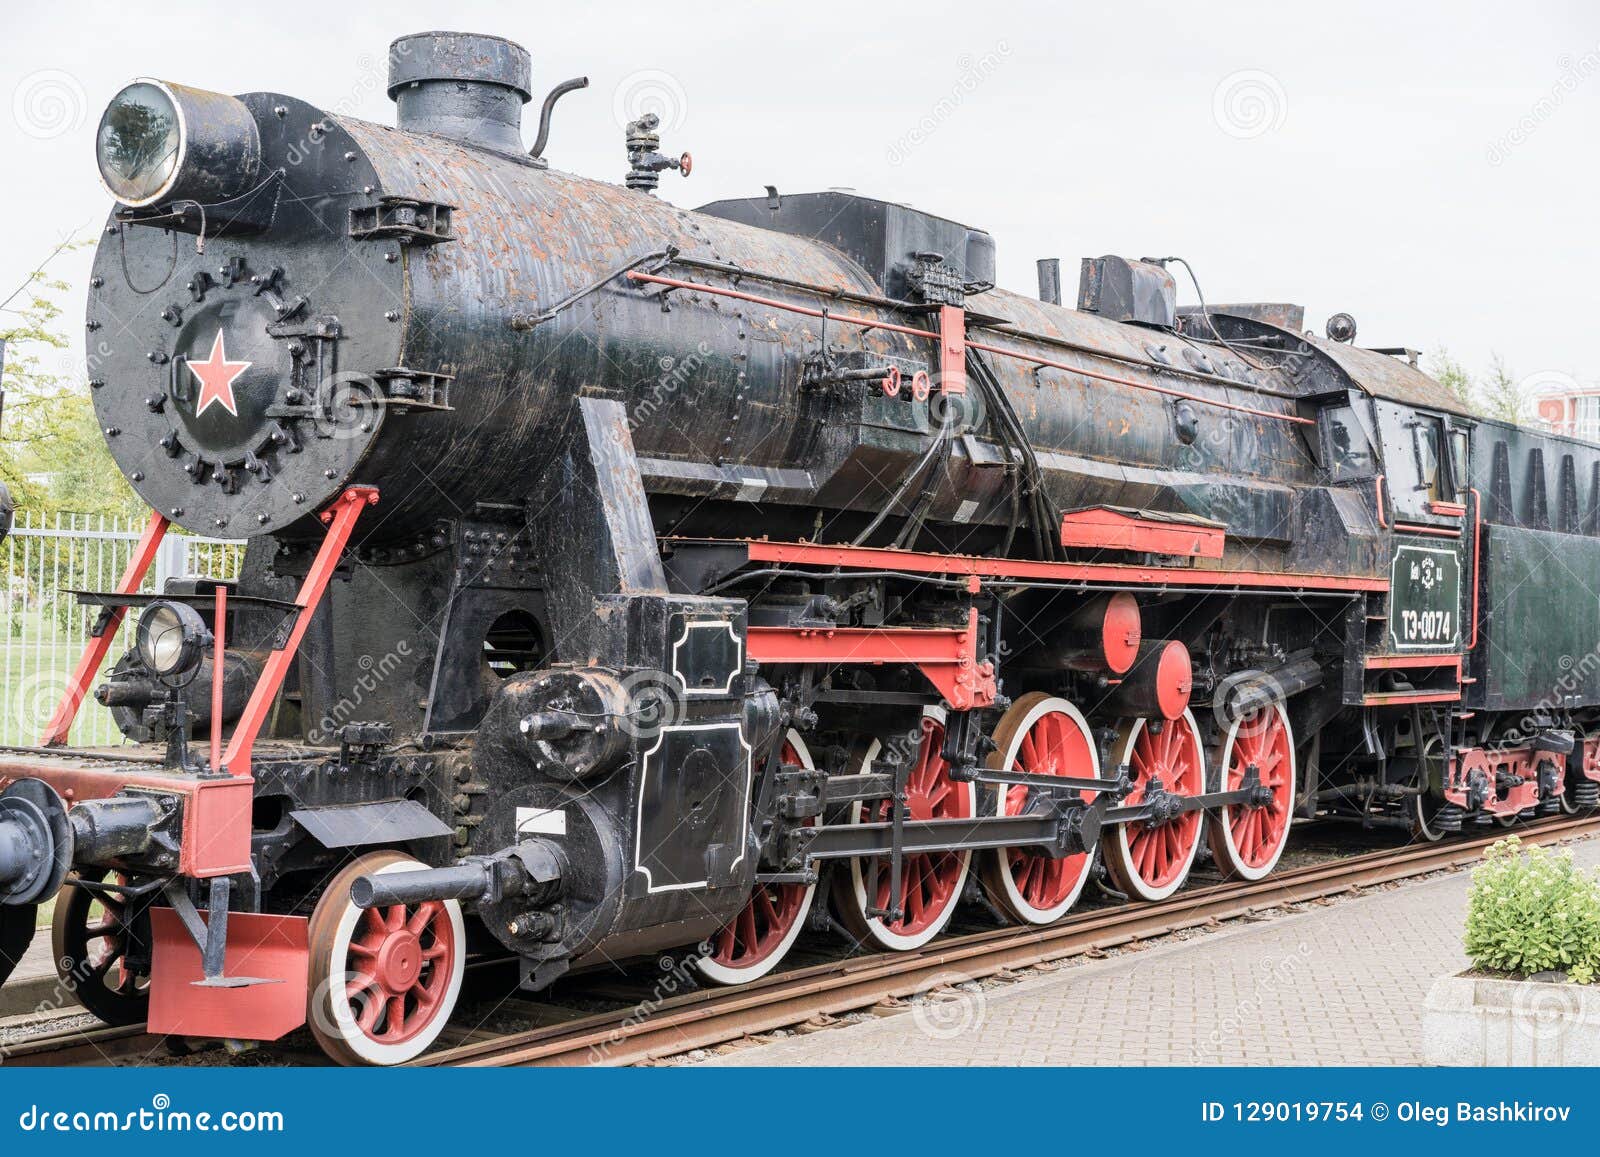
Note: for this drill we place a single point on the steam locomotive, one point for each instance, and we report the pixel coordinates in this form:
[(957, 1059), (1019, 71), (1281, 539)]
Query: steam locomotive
[(619, 577)]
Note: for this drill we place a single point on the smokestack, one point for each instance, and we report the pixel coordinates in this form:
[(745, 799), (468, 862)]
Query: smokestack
[(1050, 280), (461, 85)]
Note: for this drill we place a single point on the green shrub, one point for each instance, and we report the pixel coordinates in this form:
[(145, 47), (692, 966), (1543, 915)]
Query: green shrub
[(1533, 911)]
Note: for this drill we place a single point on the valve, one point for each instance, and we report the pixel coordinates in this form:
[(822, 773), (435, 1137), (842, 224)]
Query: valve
[(645, 161)]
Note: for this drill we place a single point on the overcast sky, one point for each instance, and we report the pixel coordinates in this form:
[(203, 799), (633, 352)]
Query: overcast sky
[(1432, 169)]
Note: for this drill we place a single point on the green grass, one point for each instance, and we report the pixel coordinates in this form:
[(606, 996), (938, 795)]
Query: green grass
[(34, 671)]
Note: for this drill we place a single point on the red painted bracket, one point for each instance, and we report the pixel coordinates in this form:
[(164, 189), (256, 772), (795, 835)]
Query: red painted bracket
[(952, 349), (94, 652), (1522, 762), (215, 837), (1591, 758), (1104, 528), (976, 567), (946, 656), (341, 520)]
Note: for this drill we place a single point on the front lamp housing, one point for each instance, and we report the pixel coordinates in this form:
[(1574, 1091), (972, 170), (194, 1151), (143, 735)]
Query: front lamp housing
[(171, 639), (161, 144)]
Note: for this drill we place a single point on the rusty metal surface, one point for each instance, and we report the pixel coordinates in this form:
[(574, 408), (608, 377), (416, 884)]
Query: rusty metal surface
[(1385, 376)]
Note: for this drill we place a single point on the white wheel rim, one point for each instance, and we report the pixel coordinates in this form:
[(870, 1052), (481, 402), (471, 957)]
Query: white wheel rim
[(1019, 905), (879, 932), (1121, 845), (719, 973), (1237, 864), (344, 1014)]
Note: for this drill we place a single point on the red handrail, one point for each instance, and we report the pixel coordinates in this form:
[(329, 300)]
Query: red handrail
[(94, 652), (341, 522)]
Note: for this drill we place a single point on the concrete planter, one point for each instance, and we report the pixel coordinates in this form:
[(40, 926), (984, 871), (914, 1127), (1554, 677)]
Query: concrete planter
[(1473, 1020)]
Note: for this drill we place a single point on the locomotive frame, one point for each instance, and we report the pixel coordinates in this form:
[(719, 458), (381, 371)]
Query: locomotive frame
[(1040, 595)]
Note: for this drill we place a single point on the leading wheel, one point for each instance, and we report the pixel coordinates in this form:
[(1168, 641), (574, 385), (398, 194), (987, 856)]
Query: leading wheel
[(932, 881), (1423, 809), (1248, 839), (1150, 861), (1041, 735), (102, 946), (766, 928), (384, 981)]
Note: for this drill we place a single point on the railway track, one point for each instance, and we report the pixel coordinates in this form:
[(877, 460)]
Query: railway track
[(706, 1018), (653, 1028)]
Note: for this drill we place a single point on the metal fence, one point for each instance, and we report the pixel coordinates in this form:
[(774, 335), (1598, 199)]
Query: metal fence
[(47, 558)]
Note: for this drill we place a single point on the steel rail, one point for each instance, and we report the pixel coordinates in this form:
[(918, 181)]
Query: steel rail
[(703, 1019)]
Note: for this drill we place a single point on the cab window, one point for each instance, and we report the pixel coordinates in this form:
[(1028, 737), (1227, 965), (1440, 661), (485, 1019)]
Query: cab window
[(1425, 439)]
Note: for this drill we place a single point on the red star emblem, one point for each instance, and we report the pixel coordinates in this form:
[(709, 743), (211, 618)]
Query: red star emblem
[(217, 376)]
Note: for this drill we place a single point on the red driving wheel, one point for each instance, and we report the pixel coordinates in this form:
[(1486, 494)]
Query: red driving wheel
[(1150, 861), (932, 882), (1040, 735), (1248, 839)]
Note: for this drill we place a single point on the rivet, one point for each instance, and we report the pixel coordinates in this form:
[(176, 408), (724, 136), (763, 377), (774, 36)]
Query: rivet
[(176, 512), (220, 523), (96, 282), (280, 110), (391, 258), (263, 519), (92, 325), (136, 476), (298, 497), (96, 383), (393, 315), (328, 473), (112, 431), (367, 189), (350, 156)]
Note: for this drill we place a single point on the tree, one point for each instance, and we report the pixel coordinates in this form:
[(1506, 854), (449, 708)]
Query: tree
[(1453, 376), (52, 456), (1503, 395), (1499, 394)]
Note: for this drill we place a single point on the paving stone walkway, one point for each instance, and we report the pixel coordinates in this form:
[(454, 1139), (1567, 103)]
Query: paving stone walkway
[(1342, 984)]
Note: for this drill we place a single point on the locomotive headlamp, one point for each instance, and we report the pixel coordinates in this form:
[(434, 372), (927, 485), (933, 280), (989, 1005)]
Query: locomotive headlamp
[(172, 639), (160, 143)]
